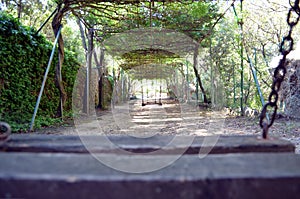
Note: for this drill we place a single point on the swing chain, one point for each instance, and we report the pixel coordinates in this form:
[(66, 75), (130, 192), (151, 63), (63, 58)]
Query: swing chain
[(5, 130), (286, 47)]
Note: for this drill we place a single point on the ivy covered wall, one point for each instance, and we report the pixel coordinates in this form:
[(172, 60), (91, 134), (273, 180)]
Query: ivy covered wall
[(23, 60)]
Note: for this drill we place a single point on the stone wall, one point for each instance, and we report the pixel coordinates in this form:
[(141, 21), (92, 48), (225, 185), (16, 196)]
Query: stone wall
[(290, 89), (79, 91), (107, 93)]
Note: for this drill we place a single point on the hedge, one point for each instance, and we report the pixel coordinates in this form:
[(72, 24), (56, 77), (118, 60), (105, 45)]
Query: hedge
[(23, 60)]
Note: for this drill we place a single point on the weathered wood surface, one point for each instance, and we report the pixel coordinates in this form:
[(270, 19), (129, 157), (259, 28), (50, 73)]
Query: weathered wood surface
[(74, 144), (57, 175)]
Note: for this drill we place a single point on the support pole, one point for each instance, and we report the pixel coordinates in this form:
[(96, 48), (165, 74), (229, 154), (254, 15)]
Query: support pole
[(37, 32), (197, 93), (256, 81), (176, 90), (143, 103), (240, 23), (187, 81), (44, 80), (122, 85), (234, 85), (89, 69), (262, 100), (242, 63), (113, 101), (61, 98), (211, 74), (147, 93), (160, 103), (155, 90), (101, 72)]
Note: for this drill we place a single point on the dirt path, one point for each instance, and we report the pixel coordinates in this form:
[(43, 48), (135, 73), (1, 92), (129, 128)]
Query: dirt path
[(173, 118)]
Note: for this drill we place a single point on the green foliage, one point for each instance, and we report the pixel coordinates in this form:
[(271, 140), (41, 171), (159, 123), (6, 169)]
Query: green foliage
[(31, 13), (24, 57)]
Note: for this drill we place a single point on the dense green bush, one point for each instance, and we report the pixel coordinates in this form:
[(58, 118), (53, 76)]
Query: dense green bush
[(23, 61)]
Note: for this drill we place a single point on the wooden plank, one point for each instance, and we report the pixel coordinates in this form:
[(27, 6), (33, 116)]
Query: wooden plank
[(55, 175), (100, 144)]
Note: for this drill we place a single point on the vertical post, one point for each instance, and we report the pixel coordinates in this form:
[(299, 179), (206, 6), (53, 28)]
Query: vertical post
[(44, 80), (187, 81), (197, 93), (242, 61), (182, 90), (100, 91), (101, 74), (113, 100), (87, 93), (154, 86), (240, 23), (122, 85), (89, 69), (129, 89), (61, 99), (234, 85), (143, 103), (147, 90), (211, 74), (176, 87), (160, 94)]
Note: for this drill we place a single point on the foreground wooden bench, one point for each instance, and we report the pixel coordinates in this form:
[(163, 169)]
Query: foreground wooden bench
[(55, 166), (74, 144), (57, 175)]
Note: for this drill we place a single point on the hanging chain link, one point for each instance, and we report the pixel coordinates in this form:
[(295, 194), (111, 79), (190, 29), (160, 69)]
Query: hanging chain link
[(5, 130), (285, 48)]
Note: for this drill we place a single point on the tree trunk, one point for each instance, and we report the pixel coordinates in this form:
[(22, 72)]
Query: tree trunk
[(19, 4), (101, 71), (99, 80), (82, 35), (56, 24), (195, 65)]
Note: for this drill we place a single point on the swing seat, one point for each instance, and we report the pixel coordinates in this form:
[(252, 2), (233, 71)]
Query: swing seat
[(44, 175), (60, 166), (73, 144)]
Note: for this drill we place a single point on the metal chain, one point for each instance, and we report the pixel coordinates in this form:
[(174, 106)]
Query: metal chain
[(285, 48), (5, 130)]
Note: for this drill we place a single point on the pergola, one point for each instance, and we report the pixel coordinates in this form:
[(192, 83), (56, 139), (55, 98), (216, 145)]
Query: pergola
[(144, 49), (140, 40), (133, 43), (149, 52), (81, 7)]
